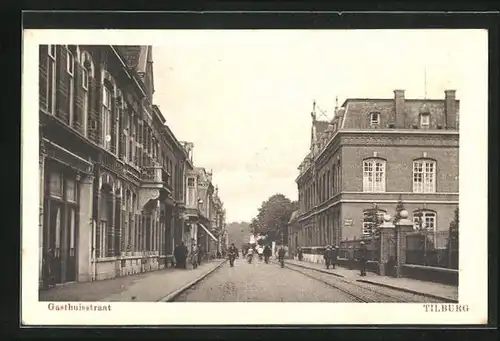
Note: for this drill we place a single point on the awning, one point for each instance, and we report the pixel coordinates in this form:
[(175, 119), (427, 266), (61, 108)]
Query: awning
[(206, 230)]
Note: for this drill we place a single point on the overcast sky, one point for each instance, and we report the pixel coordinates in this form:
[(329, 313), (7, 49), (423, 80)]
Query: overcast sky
[(244, 97)]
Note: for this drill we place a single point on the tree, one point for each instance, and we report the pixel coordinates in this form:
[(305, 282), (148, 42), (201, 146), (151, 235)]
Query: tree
[(273, 216), (373, 217), (453, 240), (238, 232)]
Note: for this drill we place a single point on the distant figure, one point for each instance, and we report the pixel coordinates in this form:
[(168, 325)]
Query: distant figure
[(281, 256), (300, 254), (180, 254), (362, 259), (200, 254), (328, 256), (194, 256), (260, 251), (335, 256), (267, 253)]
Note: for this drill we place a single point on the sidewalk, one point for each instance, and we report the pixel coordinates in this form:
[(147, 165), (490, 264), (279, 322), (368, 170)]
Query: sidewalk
[(437, 290), (145, 287)]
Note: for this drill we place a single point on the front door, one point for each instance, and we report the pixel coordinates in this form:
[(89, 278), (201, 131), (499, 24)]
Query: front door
[(60, 231)]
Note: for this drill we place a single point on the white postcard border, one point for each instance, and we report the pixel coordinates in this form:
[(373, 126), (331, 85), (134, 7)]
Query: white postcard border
[(473, 216)]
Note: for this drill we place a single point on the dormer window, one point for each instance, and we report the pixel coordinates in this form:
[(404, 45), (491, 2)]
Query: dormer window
[(425, 120), (374, 118)]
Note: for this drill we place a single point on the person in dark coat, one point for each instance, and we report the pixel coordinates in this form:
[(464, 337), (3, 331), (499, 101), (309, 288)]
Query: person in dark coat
[(362, 258), (300, 255), (335, 256), (200, 254), (177, 256), (328, 256), (181, 256)]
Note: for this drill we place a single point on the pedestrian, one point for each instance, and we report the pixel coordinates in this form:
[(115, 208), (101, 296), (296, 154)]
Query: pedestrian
[(300, 254), (194, 256), (335, 255), (362, 259), (182, 253), (200, 254), (177, 256), (327, 256)]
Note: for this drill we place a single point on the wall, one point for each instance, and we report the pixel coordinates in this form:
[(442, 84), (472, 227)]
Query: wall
[(354, 211), (399, 166)]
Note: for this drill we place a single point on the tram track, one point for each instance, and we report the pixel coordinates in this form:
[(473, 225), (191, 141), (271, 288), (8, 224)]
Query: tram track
[(360, 292)]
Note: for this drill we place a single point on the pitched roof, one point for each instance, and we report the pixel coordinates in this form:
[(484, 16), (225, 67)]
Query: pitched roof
[(321, 126)]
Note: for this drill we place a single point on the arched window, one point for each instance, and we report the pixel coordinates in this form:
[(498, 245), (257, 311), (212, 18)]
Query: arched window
[(372, 219), (51, 79), (425, 220), (374, 175), (71, 55), (105, 216), (107, 107), (120, 109), (424, 176), (87, 72), (374, 118)]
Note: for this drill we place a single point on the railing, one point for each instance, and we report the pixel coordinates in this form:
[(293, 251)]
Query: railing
[(437, 249), (350, 249)]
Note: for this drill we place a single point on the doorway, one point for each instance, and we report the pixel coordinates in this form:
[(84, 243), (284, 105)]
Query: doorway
[(60, 227)]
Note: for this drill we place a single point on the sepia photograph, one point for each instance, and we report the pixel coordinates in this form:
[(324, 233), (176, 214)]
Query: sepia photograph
[(254, 166)]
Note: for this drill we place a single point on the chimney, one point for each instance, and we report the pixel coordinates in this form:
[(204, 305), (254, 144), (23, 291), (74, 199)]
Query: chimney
[(399, 109), (450, 109)]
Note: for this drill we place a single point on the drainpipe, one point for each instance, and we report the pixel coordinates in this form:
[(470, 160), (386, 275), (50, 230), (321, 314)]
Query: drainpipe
[(92, 254)]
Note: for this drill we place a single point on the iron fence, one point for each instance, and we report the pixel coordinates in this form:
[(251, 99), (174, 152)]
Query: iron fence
[(429, 248)]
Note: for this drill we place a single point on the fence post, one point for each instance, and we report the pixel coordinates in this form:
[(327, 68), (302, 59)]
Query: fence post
[(385, 244), (403, 227)]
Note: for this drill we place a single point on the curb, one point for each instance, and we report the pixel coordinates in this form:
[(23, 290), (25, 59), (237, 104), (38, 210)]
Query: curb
[(170, 297), (446, 299), (319, 270)]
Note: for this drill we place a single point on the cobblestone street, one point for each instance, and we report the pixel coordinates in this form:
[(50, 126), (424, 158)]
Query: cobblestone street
[(261, 282)]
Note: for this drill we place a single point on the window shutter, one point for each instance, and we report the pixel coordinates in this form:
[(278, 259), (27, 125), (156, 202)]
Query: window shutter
[(121, 134), (94, 126), (114, 112), (42, 75), (79, 98), (62, 101)]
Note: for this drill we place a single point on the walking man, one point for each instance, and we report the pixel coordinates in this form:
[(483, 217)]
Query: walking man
[(362, 259)]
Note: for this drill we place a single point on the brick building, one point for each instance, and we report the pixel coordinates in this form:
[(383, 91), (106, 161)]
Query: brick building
[(112, 174), (373, 153)]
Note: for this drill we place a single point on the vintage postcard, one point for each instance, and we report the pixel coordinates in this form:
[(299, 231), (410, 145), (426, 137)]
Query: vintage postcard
[(318, 176)]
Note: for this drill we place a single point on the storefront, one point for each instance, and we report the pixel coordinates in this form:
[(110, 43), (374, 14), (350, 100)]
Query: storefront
[(66, 192)]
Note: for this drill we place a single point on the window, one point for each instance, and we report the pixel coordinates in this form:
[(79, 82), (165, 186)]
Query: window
[(85, 79), (71, 192), (190, 182), (368, 223), (70, 68), (424, 220), (70, 63), (56, 185), (51, 80), (52, 51), (374, 118), (374, 175), (425, 120), (424, 176), (106, 117), (87, 73)]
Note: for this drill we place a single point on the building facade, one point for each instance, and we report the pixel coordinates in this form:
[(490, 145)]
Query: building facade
[(374, 153), (112, 174)]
